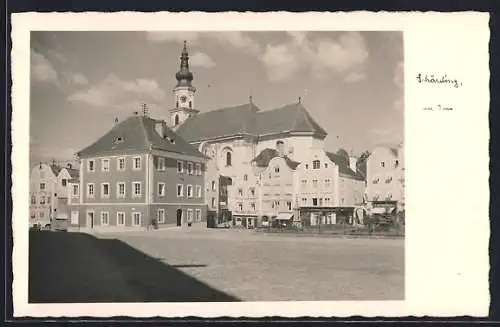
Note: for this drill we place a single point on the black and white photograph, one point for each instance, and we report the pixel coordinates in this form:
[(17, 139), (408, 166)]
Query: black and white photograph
[(216, 166), (249, 164)]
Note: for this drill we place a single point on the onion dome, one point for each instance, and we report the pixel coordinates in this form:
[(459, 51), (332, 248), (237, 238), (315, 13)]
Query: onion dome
[(184, 76)]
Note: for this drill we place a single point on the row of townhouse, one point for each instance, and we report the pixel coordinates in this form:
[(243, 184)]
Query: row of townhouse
[(137, 173), (50, 185)]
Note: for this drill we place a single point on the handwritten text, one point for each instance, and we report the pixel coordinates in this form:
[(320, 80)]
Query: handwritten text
[(437, 79)]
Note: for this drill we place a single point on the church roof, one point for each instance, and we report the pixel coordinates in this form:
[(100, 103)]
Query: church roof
[(266, 155), (343, 165), (138, 133), (248, 119)]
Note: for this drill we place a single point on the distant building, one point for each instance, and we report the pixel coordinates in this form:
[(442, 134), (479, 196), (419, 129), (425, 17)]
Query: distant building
[(138, 172), (385, 176), (49, 188)]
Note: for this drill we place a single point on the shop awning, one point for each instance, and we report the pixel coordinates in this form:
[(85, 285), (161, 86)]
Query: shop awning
[(284, 216)]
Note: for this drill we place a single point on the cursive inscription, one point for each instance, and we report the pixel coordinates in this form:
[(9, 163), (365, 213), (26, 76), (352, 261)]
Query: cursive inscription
[(438, 108), (438, 79)]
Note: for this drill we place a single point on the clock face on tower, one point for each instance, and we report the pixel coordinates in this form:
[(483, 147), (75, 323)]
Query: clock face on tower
[(183, 99)]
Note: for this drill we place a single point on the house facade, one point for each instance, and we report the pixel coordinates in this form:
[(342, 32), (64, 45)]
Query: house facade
[(140, 172), (49, 187), (385, 176)]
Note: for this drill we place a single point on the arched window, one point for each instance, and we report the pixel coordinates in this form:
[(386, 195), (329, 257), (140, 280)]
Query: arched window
[(176, 120), (228, 158)]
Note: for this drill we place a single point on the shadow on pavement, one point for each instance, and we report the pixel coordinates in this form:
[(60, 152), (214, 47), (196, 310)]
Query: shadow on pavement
[(77, 267)]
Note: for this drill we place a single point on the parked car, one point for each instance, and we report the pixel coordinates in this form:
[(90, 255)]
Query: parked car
[(59, 225)]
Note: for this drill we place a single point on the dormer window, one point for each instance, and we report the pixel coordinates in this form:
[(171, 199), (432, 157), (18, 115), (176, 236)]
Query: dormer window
[(316, 164), (117, 140), (277, 169)]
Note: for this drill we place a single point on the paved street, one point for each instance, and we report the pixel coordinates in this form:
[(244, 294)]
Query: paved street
[(215, 265)]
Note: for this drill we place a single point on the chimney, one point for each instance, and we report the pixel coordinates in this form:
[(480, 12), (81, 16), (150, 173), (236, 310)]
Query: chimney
[(160, 128), (352, 163)]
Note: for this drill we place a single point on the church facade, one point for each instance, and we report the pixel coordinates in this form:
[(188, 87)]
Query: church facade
[(236, 139)]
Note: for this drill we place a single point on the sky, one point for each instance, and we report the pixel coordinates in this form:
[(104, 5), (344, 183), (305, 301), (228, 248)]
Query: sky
[(350, 82)]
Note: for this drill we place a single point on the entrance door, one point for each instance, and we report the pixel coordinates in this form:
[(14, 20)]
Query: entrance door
[(179, 217), (90, 219)]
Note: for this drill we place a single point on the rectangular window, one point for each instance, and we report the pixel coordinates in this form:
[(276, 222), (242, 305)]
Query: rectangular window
[(33, 199), (382, 164), (104, 218), (240, 206), (137, 163), (289, 205), (190, 191), (161, 164), (252, 206), (213, 185), (90, 190), (136, 189), (190, 215), (160, 217), (180, 166), (74, 217), (304, 183), (120, 190), (75, 190), (240, 192), (105, 190), (198, 191), (64, 182), (198, 215), (315, 201), (213, 202), (304, 201), (42, 186), (190, 168), (42, 214), (320, 202), (136, 219), (91, 165), (105, 165), (120, 218), (252, 191), (120, 164), (315, 183), (316, 164), (42, 200), (161, 189), (180, 190), (198, 169), (327, 183)]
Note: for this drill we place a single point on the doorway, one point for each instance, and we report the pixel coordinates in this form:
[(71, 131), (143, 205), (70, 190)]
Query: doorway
[(90, 219), (179, 217)]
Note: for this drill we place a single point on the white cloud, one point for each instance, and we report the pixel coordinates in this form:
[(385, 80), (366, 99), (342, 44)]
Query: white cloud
[(114, 91), (389, 136), (75, 78), (42, 70), (399, 81), (354, 77), (200, 59), (321, 57), (236, 40)]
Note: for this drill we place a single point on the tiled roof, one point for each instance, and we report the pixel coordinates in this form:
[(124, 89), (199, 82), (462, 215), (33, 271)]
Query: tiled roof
[(343, 164), (248, 119), (56, 169), (221, 122), (266, 155), (74, 173), (138, 133)]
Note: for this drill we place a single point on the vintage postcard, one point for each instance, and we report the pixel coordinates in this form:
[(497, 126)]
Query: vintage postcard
[(250, 164)]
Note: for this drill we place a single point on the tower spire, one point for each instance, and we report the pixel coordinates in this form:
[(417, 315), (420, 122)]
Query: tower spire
[(184, 76)]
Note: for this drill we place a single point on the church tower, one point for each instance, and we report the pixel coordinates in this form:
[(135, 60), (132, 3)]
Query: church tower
[(183, 93)]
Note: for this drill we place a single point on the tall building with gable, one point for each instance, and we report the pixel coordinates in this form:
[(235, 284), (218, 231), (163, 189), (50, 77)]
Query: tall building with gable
[(137, 172)]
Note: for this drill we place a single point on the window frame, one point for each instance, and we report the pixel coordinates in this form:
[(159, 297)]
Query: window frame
[(103, 213), (118, 160), (134, 163), (134, 195), (163, 165), (103, 166), (181, 190), (199, 193), (102, 190), (162, 221), (77, 188), (190, 168), (181, 162), (118, 195), (90, 168), (316, 164), (91, 196), (161, 194), (118, 213), (134, 213), (198, 215)]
